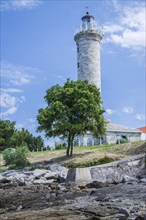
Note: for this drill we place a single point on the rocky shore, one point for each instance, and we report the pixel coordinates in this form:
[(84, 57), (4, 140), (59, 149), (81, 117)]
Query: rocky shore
[(48, 193)]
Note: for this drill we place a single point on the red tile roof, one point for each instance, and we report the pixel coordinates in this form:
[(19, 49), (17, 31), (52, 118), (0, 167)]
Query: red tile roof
[(143, 129)]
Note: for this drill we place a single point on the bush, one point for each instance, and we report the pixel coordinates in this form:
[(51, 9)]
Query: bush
[(17, 157), (9, 156)]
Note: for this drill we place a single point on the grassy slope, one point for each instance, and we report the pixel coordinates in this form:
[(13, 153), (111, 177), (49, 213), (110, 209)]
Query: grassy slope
[(87, 154), (84, 155)]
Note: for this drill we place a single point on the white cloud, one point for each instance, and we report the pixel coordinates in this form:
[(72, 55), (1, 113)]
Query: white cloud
[(10, 111), (129, 31), (11, 90), (19, 4), (7, 101), (113, 28), (10, 103), (127, 110), (140, 117), (110, 111), (17, 75)]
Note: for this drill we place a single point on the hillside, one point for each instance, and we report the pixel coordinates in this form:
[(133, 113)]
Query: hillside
[(84, 155)]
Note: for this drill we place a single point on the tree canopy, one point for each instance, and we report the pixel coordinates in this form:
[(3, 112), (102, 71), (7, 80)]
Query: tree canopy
[(72, 110), (10, 137), (7, 129)]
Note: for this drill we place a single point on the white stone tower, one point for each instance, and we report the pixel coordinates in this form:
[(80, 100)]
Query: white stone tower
[(88, 38)]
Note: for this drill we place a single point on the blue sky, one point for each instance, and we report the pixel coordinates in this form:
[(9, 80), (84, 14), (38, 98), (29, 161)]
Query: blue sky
[(38, 51)]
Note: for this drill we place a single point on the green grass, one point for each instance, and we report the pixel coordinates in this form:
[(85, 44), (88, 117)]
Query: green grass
[(90, 163), (3, 170), (96, 147)]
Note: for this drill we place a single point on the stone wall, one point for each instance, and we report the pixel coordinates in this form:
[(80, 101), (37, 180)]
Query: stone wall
[(116, 172)]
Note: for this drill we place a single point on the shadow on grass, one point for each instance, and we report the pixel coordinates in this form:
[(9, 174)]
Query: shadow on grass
[(61, 160)]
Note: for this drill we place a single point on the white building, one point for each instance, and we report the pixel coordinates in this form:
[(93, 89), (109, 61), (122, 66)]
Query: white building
[(143, 134), (115, 134)]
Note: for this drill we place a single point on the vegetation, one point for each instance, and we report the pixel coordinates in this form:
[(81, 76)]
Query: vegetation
[(7, 129), (72, 110), (17, 157), (90, 163), (10, 137), (60, 146)]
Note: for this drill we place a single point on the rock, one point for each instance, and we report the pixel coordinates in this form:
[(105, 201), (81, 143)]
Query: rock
[(51, 175), (5, 180), (42, 181), (124, 212), (10, 173), (38, 173), (60, 170), (128, 179), (96, 185)]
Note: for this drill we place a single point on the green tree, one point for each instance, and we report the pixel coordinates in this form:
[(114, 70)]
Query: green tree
[(39, 143), (72, 110), (24, 136), (7, 129)]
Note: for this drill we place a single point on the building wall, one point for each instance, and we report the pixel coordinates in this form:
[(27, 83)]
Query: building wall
[(110, 138), (143, 136), (115, 137)]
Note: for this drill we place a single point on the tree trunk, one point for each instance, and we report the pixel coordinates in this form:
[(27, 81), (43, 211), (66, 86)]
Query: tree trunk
[(71, 150), (68, 147)]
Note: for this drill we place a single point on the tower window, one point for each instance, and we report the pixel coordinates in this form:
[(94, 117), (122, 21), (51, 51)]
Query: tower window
[(78, 64), (78, 49)]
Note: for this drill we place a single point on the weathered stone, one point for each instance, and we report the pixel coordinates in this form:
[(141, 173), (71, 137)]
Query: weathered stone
[(125, 170)]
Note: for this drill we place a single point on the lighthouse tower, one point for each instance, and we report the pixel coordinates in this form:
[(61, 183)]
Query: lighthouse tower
[(88, 38)]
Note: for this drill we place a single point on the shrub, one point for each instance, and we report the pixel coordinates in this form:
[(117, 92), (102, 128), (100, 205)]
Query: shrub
[(9, 156), (16, 156)]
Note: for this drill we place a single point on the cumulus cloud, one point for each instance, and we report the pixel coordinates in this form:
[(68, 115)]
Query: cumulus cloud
[(7, 5), (110, 111), (129, 31), (17, 75), (140, 117), (7, 101), (10, 103), (127, 110), (10, 111)]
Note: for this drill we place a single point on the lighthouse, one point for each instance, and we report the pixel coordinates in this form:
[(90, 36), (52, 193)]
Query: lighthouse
[(88, 38)]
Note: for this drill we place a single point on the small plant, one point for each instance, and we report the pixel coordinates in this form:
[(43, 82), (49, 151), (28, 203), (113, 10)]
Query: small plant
[(3, 170), (17, 157), (105, 159)]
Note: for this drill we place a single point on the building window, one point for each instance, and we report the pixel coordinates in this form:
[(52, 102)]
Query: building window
[(78, 49), (78, 64)]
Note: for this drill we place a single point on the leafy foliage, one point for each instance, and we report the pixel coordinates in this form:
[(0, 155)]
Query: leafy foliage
[(9, 156), (7, 129), (72, 110), (16, 156), (11, 138), (60, 146)]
